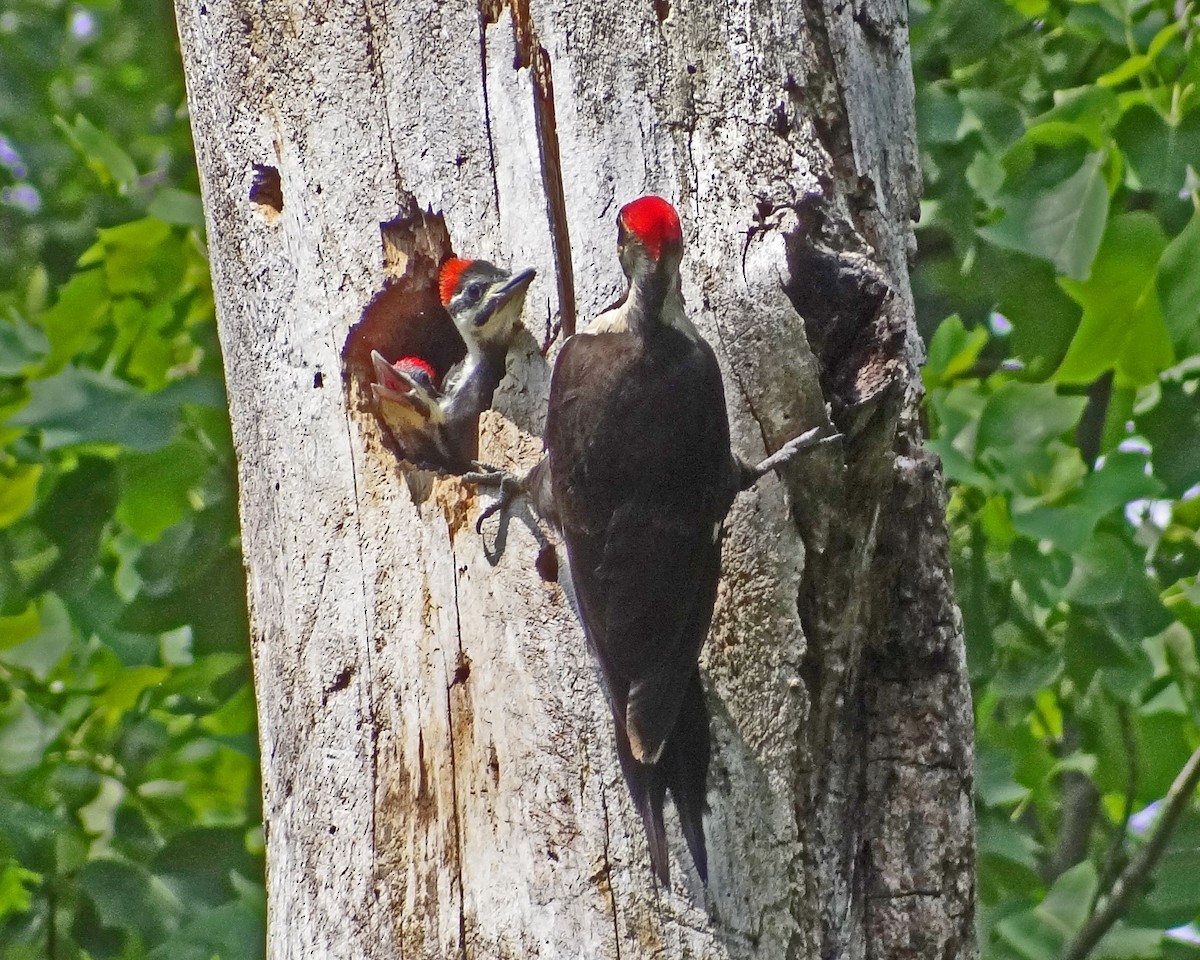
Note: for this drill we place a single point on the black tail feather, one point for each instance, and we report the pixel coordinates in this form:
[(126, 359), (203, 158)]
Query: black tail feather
[(683, 770), (685, 765), (648, 788)]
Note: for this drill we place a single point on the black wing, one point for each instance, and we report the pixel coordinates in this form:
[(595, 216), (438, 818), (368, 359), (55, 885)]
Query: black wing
[(638, 440)]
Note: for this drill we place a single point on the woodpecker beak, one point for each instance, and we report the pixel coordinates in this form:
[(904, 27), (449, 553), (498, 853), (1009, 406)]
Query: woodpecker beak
[(386, 375), (511, 290)]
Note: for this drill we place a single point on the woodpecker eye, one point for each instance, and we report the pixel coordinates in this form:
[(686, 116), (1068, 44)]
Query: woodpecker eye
[(474, 292)]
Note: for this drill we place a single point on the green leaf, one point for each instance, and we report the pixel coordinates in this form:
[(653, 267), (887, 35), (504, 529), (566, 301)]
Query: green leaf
[(953, 351), (995, 115), (237, 715), (1157, 152), (1041, 575), (1174, 898), (1121, 479), (1031, 937), (126, 896), (1122, 327), (22, 348), (81, 406), (156, 487), (939, 115), (1165, 36), (15, 895), (1066, 905), (123, 691), (1003, 839), (1128, 943), (19, 627), (995, 783), (107, 160), (1087, 110), (1043, 317), (1062, 222), (197, 863), (73, 518), (1126, 71), (72, 323), (1026, 415), (18, 490), (1077, 762), (40, 652), (1164, 746), (140, 257), (1026, 672), (233, 931), (180, 207), (1091, 647), (24, 735), (1178, 285), (1015, 428)]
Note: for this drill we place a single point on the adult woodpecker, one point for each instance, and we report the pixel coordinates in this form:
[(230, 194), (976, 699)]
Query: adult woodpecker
[(441, 426), (641, 477), (638, 477)]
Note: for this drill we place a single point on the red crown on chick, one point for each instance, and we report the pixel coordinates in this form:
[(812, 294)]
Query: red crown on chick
[(654, 222), (448, 276), (416, 365)]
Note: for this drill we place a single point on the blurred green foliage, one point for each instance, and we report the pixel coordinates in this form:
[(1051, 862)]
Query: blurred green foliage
[(1059, 289), (129, 799)]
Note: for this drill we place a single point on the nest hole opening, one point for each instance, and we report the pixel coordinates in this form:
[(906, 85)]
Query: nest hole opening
[(406, 317)]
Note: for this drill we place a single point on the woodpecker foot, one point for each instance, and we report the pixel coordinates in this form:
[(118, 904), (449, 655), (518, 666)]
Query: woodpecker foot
[(815, 437), (508, 486)]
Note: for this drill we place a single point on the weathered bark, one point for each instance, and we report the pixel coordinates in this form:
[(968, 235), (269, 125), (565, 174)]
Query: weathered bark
[(438, 768)]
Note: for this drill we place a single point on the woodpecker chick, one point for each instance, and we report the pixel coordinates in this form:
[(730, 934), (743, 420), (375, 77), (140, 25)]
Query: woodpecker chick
[(407, 399), (441, 427), (410, 381)]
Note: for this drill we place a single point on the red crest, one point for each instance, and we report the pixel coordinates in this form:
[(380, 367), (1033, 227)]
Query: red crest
[(448, 277), (654, 222), (415, 367)]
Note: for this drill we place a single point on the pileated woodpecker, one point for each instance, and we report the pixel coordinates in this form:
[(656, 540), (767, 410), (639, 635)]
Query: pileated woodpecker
[(639, 477), (441, 427)]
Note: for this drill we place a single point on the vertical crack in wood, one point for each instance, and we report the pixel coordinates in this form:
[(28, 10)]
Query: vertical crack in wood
[(368, 639), (458, 839), (747, 397), (532, 55), (487, 104), (608, 875), (830, 119), (380, 79)]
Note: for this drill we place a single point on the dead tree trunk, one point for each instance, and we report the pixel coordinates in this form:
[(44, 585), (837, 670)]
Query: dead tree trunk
[(438, 767)]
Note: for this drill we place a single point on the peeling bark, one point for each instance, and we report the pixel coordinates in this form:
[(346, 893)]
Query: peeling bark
[(439, 775)]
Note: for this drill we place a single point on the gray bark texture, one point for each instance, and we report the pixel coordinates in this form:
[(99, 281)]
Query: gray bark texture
[(439, 774)]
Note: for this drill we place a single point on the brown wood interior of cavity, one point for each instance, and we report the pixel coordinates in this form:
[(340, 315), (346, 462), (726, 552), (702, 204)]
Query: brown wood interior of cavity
[(405, 319), (266, 188)]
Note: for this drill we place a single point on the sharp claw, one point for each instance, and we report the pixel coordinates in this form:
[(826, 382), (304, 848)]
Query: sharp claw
[(509, 487), (487, 512)]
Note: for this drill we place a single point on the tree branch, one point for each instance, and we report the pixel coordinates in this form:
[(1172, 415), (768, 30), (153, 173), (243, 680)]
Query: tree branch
[(1080, 807), (1129, 883)]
